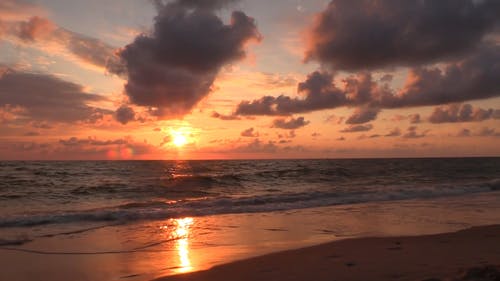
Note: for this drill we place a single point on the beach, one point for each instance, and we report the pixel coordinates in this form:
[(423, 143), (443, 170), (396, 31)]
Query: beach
[(145, 251), (424, 257)]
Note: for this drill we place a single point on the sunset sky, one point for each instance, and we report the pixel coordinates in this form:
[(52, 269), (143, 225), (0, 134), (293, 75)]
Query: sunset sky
[(224, 79)]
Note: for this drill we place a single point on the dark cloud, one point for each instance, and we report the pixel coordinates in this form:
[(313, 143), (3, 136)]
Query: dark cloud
[(125, 114), (464, 133), (31, 134), (353, 35), (249, 133), (414, 118), (35, 28), (462, 113), (41, 125), (224, 117), (363, 136), (363, 115), (488, 132), (396, 132), (174, 67), (357, 128), (474, 78), (290, 135), (89, 148), (74, 141), (386, 78), (340, 139), (203, 4), (257, 146), (45, 97), (319, 93), (413, 134), (290, 124)]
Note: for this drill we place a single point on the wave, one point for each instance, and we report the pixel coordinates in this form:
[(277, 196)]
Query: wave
[(159, 210)]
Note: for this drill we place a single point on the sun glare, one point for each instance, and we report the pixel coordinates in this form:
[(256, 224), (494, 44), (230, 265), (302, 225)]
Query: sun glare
[(179, 139)]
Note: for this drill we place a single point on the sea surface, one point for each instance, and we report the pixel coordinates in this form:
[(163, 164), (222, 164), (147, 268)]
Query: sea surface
[(145, 211), (49, 193)]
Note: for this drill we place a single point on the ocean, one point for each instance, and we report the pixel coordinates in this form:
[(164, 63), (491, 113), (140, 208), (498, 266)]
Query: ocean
[(228, 209)]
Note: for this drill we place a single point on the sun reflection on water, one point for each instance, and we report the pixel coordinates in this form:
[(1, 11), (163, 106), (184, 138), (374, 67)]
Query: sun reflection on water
[(181, 233)]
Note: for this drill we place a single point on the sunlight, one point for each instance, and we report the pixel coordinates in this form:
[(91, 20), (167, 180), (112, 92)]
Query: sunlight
[(179, 140), (179, 137), (182, 232)]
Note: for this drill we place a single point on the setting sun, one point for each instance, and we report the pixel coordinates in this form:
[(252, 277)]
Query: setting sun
[(179, 139)]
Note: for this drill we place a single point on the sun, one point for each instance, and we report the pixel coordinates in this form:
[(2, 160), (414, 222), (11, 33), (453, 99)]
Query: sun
[(179, 139)]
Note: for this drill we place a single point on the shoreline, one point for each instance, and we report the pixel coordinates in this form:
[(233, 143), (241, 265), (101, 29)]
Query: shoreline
[(213, 241), (378, 258)]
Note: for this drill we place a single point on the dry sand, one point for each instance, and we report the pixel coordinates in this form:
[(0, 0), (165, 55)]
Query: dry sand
[(440, 256)]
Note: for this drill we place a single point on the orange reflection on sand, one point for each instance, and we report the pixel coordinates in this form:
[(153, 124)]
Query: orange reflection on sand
[(181, 232)]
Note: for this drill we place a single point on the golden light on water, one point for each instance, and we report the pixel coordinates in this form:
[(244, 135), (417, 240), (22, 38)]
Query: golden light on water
[(182, 245)]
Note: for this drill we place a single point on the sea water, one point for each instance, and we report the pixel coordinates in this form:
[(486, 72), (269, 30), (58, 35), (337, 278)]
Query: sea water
[(109, 220)]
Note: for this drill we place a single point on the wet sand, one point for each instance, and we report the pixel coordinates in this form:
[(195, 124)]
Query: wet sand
[(439, 256)]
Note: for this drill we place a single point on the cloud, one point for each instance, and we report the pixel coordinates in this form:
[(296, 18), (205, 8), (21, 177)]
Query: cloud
[(124, 114), (224, 117), (290, 135), (363, 115), (89, 148), (278, 81), (205, 4), (319, 93), (462, 113), (396, 132), (41, 125), (473, 78), (174, 67), (363, 136), (257, 146), (354, 35), (357, 128), (74, 141), (488, 132), (413, 134), (414, 118), (464, 133), (31, 134), (41, 30), (290, 124), (249, 133), (35, 28), (43, 97), (15, 10)]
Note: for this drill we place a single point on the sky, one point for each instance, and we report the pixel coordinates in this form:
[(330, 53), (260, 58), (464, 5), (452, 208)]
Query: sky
[(248, 79)]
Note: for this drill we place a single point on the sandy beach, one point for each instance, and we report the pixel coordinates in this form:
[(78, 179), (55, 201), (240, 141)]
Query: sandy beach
[(441, 256)]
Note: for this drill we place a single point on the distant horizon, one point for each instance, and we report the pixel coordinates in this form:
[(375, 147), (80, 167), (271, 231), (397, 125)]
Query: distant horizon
[(249, 159)]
